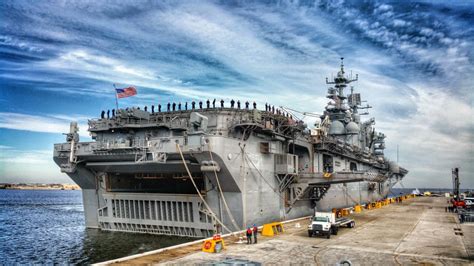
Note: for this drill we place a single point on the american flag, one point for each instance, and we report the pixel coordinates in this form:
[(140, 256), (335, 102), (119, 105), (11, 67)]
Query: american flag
[(126, 92)]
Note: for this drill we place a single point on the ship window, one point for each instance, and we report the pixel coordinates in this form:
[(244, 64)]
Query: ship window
[(353, 166), (328, 163)]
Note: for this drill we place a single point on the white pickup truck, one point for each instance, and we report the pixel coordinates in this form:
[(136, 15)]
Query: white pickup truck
[(326, 223)]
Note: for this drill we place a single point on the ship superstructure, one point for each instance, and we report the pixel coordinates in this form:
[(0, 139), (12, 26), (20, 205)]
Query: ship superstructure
[(192, 172)]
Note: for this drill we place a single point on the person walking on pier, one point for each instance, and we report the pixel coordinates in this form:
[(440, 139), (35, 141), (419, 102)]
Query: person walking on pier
[(249, 235), (255, 232)]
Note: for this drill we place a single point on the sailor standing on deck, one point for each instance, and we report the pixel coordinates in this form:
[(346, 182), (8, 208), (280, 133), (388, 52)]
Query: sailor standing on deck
[(249, 235), (255, 232), (169, 105), (222, 103), (208, 104), (214, 103), (232, 102)]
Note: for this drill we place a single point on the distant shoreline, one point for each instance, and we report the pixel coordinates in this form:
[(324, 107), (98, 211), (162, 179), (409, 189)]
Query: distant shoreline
[(39, 187)]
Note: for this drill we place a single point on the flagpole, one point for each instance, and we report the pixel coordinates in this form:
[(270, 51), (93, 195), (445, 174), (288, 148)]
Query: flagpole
[(116, 98)]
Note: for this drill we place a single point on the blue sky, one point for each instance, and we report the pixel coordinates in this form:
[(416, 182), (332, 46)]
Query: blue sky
[(59, 60)]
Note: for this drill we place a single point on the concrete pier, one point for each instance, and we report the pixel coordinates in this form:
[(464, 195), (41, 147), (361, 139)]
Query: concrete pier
[(416, 231)]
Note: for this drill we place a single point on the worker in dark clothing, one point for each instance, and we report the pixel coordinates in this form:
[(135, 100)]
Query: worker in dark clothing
[(255, 232), (179, 106), (214, 103), (232, 102), (108, 114), (186, 106), (102, 114), (222, 103), (174, 107), (113, 112), (273, 109), (193, 105), (254, 105), (208, 104), (159, 108), (238, 104), (247, 105), (146, 108), (249, 235), (200, 104), (153, 109), (169, 105)]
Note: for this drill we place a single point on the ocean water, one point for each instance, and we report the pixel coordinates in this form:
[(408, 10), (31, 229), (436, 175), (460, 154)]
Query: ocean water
[(47, 226)]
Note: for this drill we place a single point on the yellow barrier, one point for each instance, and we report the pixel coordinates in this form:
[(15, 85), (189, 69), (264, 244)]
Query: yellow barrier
[(272, 229), (357, 208), (378, 205), (210, 245)]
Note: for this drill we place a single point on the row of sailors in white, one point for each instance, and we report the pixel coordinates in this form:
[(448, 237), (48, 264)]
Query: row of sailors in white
[(172, 107)]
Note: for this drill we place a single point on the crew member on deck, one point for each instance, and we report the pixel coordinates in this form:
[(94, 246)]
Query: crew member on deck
[(214, 103), (186, 106), (152, 109), (108, 114), (174, 106), (247, 105), (266, 107), (273, 109), (102, 114), (254, 105), (146, 108), (238, 104), (222, 103), (113, 112), (179, 106), (208, 104), (159, 108), (200, 104), (232, 102), (193, 104), (169, 105)]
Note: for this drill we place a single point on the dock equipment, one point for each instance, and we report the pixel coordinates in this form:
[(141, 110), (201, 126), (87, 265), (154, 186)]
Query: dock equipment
[(216, 244), (272, 229)]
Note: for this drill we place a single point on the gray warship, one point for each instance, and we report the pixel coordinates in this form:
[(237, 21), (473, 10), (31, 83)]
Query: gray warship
[(194, 172)]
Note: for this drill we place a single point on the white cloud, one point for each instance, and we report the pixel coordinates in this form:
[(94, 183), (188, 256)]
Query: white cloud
[(37, 123)]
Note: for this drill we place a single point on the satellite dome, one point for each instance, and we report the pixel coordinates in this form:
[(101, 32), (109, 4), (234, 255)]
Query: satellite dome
[(352, 128), (336, 128)]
